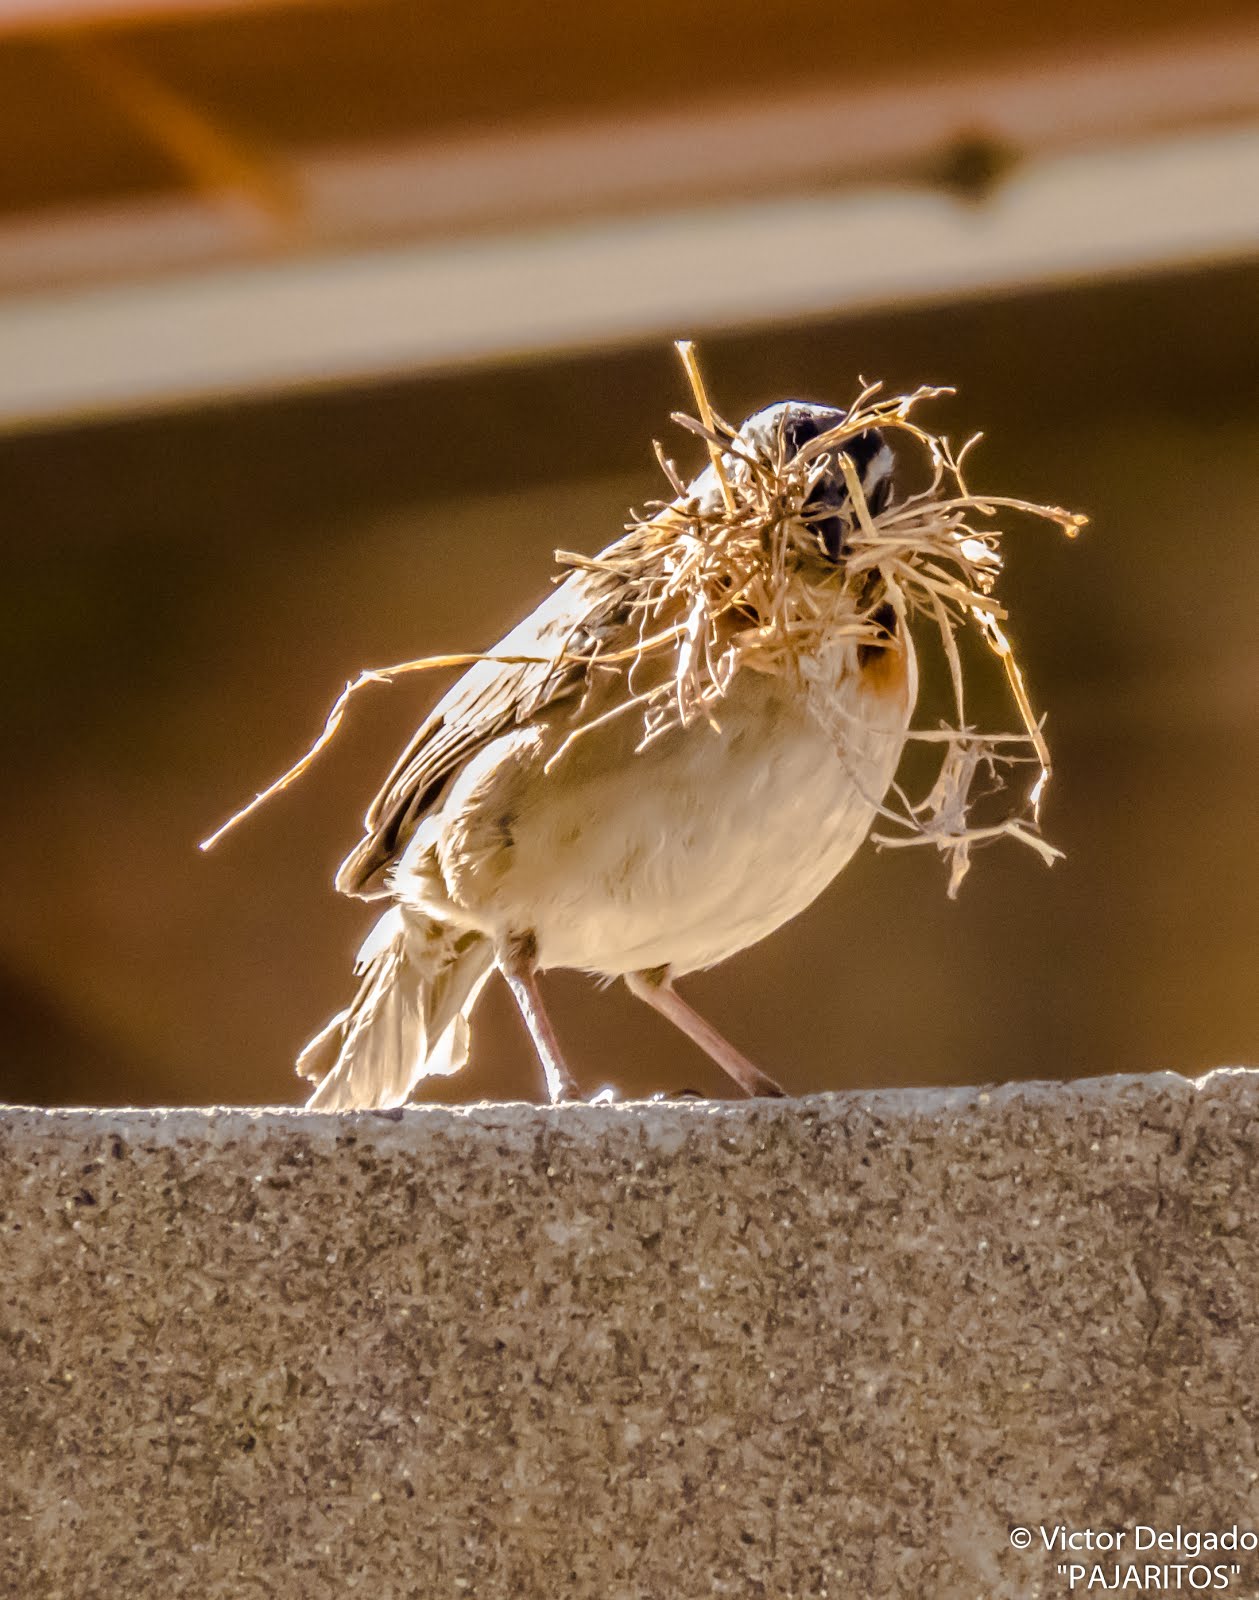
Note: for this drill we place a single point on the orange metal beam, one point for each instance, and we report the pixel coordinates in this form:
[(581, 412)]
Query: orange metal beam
[(42, 16), (215, 159)]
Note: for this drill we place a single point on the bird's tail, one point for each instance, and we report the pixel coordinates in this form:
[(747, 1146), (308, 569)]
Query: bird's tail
[(409, 1019)]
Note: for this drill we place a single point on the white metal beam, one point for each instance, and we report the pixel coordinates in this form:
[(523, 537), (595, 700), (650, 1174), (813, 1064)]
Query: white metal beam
[(312, 322), (508, 178)]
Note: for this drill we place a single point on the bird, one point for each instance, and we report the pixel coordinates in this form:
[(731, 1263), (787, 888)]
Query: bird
[(502, 843)]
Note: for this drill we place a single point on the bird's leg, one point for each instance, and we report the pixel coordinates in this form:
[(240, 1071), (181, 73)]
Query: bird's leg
[(657, 990), (517, 961)]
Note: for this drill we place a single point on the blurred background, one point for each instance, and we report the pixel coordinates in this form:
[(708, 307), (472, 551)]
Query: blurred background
[(322, 325)]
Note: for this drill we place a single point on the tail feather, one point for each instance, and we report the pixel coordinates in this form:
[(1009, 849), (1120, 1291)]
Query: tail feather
[(409, 1019)]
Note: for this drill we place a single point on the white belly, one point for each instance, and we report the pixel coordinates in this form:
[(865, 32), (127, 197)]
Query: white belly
[(678, 856)]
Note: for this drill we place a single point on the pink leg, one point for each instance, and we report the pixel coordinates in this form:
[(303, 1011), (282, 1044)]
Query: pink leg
[(656, 989), (517, 963)]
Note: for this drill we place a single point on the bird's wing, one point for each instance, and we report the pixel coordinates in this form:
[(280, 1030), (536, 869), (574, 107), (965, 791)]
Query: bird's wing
[(492, 697)]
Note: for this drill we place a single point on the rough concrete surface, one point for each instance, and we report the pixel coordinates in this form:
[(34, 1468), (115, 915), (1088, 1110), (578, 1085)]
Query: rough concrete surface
[(831, 1347)]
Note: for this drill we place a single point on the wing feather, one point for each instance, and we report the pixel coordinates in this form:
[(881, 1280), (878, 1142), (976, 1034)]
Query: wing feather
[(489, 699)]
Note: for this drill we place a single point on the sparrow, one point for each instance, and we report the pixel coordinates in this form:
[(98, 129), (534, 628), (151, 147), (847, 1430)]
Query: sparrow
[(501, 842)]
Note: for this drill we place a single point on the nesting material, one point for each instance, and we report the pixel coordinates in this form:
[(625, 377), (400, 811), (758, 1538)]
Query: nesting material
[(735, 579)]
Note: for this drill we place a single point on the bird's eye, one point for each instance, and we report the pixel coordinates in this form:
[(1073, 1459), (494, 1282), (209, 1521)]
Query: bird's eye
[(802, 427)]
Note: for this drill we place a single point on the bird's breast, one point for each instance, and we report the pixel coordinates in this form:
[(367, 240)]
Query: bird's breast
[(687, 851)]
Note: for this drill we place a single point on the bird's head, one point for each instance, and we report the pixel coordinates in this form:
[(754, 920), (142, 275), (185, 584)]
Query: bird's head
[(788, 432)]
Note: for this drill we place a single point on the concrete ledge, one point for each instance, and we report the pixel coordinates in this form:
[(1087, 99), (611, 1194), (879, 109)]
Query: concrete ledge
[(831, 1347)]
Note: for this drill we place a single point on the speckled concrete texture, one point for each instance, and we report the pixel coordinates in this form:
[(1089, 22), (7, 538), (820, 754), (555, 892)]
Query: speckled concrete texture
[(830, 1347)]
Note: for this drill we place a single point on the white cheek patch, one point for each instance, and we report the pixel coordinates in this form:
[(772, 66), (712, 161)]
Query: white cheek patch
[(879, 472)]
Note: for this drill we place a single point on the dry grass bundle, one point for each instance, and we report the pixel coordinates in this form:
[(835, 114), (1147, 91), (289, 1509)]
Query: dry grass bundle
[(735, 580)]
